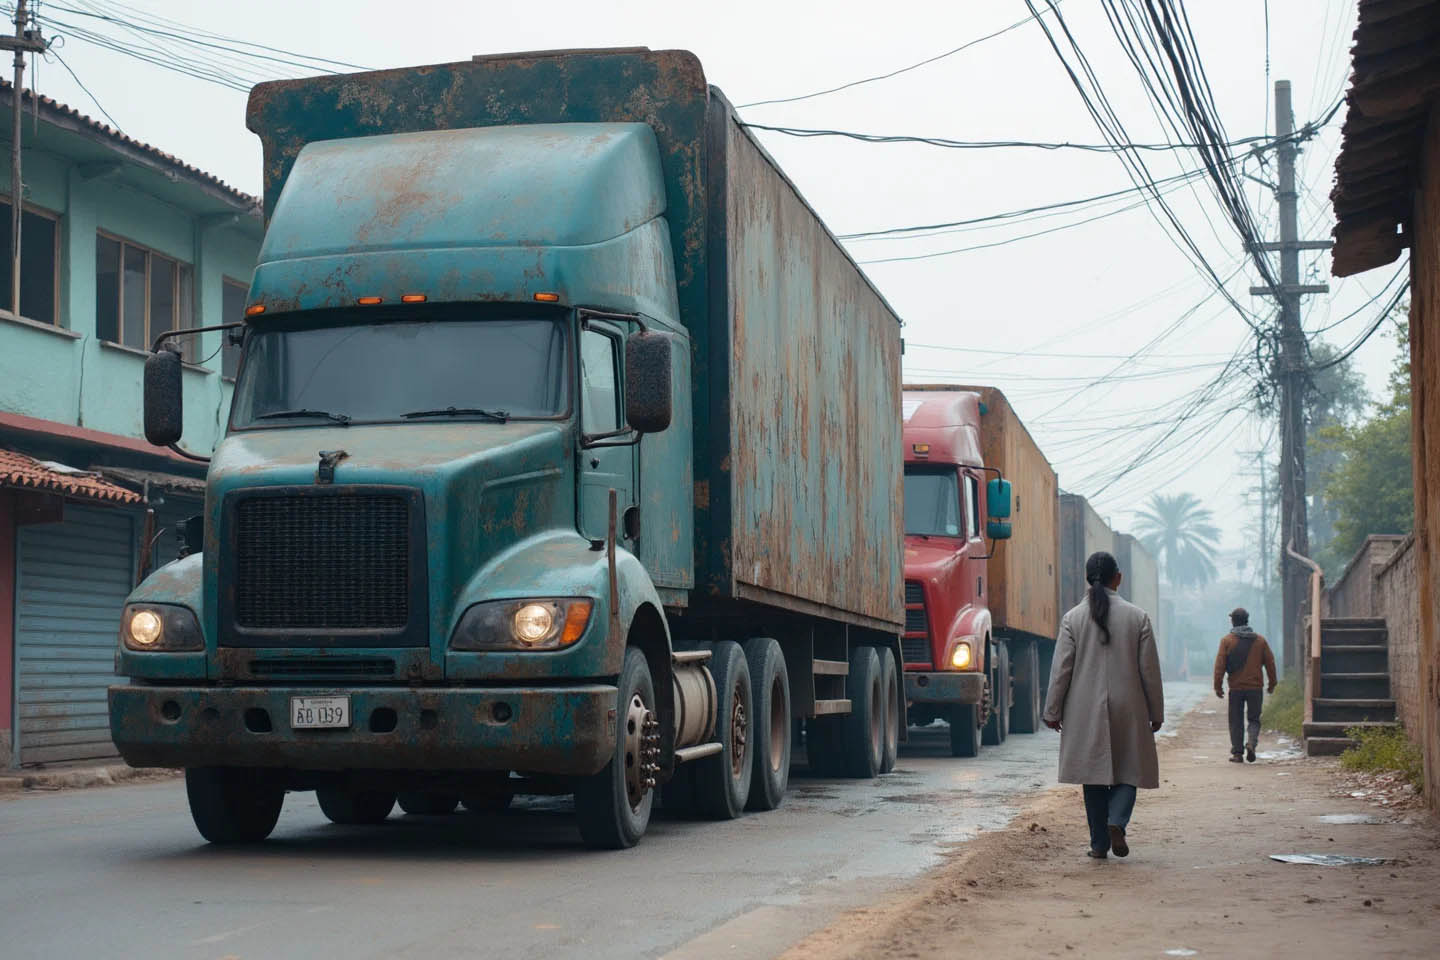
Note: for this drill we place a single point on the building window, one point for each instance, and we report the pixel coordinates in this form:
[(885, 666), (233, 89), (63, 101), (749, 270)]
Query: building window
[(140, 294), (232, 310), (39, 263)]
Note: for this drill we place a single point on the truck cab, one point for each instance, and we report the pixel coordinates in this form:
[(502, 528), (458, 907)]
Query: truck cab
[(954, 668)]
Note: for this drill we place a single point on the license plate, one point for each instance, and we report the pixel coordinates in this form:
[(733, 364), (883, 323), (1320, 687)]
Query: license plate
[(319, 713)]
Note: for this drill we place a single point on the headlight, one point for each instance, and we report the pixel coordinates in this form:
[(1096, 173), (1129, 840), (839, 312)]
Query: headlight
[(540, 624), (160, 626), (961, 656)]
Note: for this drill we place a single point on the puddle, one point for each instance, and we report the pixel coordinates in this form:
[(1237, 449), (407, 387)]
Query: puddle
[(1181, 951), (1352, 818), (1328, 859)]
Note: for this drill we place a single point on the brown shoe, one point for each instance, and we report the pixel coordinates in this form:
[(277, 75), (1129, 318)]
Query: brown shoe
[(1096, 854), (1236, 758), (1250, 754), (1117, 841)]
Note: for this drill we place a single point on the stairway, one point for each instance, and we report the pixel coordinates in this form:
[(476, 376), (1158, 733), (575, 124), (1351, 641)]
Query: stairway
[(1354, 684)]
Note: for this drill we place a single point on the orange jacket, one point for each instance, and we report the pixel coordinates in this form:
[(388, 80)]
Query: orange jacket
[(1248, 676)]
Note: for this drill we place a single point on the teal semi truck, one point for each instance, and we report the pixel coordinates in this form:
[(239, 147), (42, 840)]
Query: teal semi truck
[(561, 460)]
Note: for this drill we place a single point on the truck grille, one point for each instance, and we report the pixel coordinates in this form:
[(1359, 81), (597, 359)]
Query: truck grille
[(333, 563), (915, 645), (324, 667)]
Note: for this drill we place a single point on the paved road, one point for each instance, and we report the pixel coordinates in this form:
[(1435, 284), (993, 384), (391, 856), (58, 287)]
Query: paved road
[(120, 871)]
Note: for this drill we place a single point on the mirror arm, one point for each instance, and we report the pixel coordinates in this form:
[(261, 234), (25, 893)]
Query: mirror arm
[(175, 448), (191, 331), (635, 318)]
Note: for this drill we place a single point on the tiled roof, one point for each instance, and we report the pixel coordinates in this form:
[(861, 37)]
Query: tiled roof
[(18, 470), (110, 133)]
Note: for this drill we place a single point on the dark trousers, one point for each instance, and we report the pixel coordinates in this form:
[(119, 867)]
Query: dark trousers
[(1241, 703), (1106, 807)]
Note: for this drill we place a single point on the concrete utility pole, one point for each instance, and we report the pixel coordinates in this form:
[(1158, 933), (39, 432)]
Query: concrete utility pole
[(25, 41), (1292, 373)]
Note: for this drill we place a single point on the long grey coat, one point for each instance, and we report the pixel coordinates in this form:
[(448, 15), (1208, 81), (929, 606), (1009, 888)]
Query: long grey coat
[(1105, 696)]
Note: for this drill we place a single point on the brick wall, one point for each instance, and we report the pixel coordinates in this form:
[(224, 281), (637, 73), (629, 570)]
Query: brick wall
[(1395, 600), (1354, 594)]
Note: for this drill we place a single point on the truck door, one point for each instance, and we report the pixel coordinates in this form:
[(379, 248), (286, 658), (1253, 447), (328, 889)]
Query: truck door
[(974, 535), (602, 468)]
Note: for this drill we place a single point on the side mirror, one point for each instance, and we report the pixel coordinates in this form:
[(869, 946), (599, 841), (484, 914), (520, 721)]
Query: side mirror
[(997, 530), (164, 414), (190, 533), (997, 500), (647, 382)]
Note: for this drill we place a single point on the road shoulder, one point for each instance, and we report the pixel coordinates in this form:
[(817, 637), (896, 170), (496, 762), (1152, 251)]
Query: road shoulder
[(1199, 876)]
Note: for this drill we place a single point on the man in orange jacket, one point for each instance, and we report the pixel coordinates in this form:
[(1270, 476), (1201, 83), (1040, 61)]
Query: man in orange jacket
[(1242, 654)]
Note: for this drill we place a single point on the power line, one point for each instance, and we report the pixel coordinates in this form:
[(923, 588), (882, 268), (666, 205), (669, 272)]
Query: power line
[(1379, 321), (992, 144), (81, 84), (894, 73)]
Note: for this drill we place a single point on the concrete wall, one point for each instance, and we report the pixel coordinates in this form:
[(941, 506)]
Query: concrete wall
[(1394, 595), (65, 374), (1354, 593), (1425, 386)]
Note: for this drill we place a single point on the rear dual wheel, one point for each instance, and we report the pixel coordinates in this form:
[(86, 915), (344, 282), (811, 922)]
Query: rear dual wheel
[(355, 807), (997, 725), (427, 803)]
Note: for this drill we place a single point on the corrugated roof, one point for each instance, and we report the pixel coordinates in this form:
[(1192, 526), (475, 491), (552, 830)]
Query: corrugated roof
[(1394, 82), (178, 166), (26, 473)]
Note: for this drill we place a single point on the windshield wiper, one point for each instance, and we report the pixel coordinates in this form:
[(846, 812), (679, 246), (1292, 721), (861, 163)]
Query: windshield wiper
[(499, 416), (336, 417)]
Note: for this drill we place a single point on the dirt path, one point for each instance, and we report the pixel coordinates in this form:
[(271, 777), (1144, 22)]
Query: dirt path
[(1198, 878)]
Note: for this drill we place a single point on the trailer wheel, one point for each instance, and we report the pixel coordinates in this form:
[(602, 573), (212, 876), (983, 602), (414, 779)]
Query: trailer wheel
[(722, 780), (865, 723), (997, 725), (352, 807), (770, 692), (427, 803), (232, 805), (613, 806), (1025, 711), (488, 801), (894, 710), (964, 730)]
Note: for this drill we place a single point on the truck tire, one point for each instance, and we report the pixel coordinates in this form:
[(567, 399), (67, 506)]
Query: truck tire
[(824, 739), (427, 803), (964, 730), (997, 724), (367, 807), (770, 731), (1025, 711), (232, 805), (722, 781), (488, 801), (894, 710), (613, 806), (864, 725)]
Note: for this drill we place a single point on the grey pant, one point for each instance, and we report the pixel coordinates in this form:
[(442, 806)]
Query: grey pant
[(1243, 734)]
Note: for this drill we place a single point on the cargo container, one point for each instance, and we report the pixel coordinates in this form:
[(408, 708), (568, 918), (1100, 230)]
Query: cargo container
[(1082, 532), (981, 597), (562, 459), (1140, 585)]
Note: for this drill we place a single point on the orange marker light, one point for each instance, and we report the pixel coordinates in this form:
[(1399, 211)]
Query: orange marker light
[(548, 297), (412, 298), (921, 449), (577, 615), (368, 301), (255, 309)]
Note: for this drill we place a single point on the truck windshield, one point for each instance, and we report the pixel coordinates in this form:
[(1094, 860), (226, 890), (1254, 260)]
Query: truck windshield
[(443, 367), (932, 502)]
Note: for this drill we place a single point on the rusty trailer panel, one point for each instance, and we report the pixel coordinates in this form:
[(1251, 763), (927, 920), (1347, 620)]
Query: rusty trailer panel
[(803, 447)]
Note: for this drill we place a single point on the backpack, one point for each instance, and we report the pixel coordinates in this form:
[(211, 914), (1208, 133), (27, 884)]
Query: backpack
[(1235, 659)]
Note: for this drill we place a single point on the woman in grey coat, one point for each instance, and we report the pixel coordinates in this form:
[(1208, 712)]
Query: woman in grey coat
[(1106, 701)]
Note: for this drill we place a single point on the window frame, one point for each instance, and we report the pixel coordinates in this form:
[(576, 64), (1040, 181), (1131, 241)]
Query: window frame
[(188, 351), (617, 365), (227, 280), (55, 217), (970, 496)]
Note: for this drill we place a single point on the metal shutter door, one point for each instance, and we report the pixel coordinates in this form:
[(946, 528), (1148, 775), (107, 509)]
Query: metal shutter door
[(72, 578)]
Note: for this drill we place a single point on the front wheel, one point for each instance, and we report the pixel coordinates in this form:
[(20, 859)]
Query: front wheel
[(964, 730), (613, 806), (233, 805)]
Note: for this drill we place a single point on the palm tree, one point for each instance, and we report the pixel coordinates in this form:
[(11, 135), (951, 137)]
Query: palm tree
[(1181, 534)]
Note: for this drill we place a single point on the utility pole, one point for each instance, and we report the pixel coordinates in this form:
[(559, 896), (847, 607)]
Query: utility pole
[(1292, 374), (25, 41)]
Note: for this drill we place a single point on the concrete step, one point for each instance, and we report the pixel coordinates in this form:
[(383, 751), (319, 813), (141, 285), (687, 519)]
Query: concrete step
[(1354, 711), (1348, 636), (1352, 623), (1327, 746), (1332, 729), (1355, 658), (1363, 686)]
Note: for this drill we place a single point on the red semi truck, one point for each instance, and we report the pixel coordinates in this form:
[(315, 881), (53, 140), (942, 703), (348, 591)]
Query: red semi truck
[(982, 543)]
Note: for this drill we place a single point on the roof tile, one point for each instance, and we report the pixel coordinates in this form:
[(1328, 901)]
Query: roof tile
[(26, 473)]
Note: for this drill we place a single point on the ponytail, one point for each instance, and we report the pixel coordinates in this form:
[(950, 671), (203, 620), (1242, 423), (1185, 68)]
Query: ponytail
[(1100, 570)]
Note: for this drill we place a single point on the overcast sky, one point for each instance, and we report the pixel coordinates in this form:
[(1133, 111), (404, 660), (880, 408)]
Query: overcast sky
[(1040, 317)]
